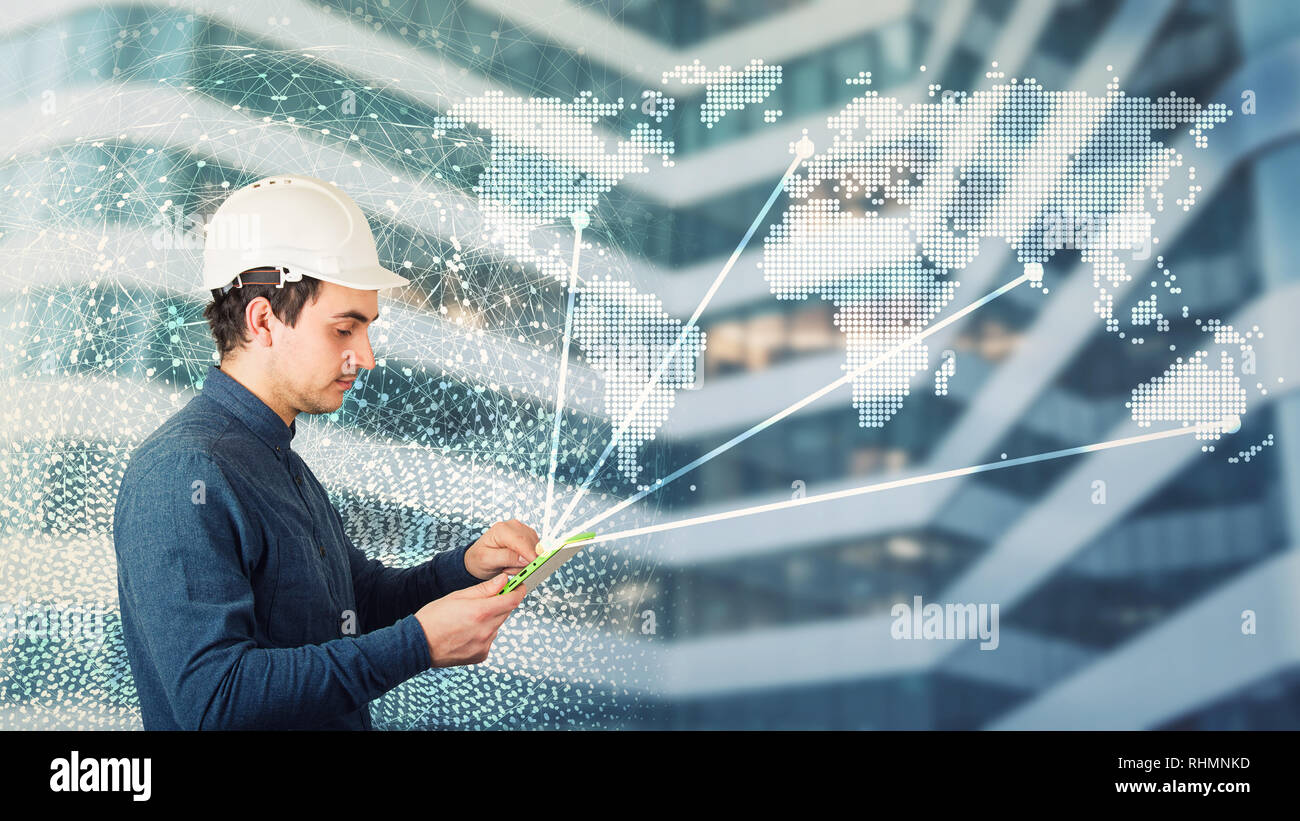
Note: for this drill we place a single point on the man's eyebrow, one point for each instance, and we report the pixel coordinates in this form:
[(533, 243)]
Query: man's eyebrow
[(357, 315)]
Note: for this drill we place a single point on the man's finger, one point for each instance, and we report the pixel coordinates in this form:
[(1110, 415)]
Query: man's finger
[(519, 537), (503, 604), (499, 619), (488, 588), (486, 593), (530, 534), (513, 554)]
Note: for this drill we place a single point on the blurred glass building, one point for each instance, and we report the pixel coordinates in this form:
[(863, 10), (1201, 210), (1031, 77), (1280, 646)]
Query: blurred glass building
[(1126, 609)]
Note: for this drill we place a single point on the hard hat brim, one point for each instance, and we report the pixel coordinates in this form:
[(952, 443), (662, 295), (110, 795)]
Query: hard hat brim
[(369, 279)]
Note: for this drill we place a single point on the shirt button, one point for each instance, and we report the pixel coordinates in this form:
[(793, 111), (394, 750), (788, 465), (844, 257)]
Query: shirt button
[(298, 479), (321, 548)]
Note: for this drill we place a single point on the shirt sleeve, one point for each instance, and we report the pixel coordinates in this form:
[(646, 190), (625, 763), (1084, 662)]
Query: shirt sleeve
[(385, 594), (185, 580)]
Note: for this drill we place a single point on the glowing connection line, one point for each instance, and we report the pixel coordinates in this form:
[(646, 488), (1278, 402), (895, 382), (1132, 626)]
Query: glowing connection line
[(579, 222), (686, 329), (807, 400), (1228, 423)]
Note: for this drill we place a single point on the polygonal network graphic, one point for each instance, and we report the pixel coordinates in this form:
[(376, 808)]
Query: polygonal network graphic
[(492, 204)]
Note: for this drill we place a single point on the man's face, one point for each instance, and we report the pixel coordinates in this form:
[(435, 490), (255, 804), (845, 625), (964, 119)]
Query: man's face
[(315, 361)]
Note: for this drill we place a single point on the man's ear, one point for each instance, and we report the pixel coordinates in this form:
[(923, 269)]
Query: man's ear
[(258, 318)]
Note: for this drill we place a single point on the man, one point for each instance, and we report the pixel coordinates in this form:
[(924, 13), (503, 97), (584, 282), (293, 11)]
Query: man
[(244, 603)]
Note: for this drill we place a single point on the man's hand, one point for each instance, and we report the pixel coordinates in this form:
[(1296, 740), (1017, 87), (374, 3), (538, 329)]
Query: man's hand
[(460, 627), (507, 547)]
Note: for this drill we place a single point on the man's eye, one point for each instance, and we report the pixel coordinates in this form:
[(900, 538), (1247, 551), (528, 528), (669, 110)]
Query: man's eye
[(345, 333)]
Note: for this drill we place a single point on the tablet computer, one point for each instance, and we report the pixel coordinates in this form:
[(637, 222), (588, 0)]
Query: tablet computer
[(544, 565)]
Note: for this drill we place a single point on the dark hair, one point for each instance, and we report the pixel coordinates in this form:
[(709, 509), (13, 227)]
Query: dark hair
[(225, 314)]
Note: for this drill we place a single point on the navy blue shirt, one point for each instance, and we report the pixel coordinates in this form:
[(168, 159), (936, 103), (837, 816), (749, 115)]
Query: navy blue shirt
[(244, 604)]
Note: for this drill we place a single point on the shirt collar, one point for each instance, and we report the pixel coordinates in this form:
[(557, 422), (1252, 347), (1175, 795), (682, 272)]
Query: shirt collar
[(253, 412)]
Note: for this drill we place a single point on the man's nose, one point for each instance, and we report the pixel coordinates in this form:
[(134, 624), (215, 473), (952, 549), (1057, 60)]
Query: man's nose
[(359, 356), (365, 356)]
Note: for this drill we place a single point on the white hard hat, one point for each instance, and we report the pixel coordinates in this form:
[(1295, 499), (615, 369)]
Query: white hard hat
[(298, 224)]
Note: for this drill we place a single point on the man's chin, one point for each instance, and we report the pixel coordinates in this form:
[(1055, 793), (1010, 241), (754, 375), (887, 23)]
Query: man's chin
[(324, 405)]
